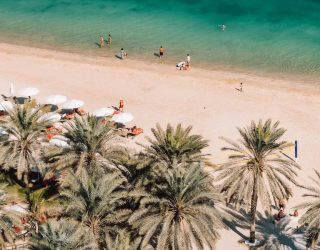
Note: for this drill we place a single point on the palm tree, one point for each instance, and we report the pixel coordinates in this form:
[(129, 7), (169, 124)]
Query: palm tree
[(122, 241), (7, 220), (137, 168), (42, 203), (175, 144), (180, 213), (21, 151), (62, 235), (88, 139), (97, 202), (311, 218), (257, 168)]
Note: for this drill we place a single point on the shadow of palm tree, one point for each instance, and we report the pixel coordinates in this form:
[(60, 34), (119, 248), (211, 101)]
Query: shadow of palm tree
[(280, 235), (273, 236)]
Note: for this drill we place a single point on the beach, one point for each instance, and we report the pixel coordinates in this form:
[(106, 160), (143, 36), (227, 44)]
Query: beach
[(158, 93)]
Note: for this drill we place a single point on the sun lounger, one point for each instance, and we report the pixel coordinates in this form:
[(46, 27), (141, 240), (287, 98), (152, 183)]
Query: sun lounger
[(134, 131)]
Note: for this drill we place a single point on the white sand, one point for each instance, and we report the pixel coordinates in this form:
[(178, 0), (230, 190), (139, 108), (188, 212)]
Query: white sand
[(158, 93)]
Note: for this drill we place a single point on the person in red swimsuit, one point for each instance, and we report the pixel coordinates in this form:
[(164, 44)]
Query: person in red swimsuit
[(121, 104)]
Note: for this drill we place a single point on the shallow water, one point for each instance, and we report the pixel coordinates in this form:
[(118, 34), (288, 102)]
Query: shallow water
[(274, 36)]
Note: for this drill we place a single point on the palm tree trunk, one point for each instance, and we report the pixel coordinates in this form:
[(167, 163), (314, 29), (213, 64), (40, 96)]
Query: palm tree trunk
[(254, 201)]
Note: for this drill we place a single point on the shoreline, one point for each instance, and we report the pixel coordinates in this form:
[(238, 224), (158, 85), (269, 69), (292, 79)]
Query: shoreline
[(59, 52), (264, 81)]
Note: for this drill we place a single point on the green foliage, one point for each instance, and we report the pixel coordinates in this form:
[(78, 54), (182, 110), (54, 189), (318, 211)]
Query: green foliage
[(258, 156), (7, 220), (175, 145), (157, 198), (311, 218), (89, 148), (179, 213), (122, 241), (257, 169), (96, 202), (21, 149), (62, 235)]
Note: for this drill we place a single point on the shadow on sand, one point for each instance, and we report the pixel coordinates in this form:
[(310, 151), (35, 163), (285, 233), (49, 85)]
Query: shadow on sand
[(97, 44), (272, 236)]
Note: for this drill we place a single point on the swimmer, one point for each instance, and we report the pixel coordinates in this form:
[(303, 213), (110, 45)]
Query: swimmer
[(109, 41), (222, 26)]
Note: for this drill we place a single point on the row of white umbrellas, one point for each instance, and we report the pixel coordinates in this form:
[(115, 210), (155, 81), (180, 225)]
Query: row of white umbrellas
[(52, 99), (61, 141), (70, 104)]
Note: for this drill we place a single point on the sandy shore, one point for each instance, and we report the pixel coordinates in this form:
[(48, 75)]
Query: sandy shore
[(155, 93)]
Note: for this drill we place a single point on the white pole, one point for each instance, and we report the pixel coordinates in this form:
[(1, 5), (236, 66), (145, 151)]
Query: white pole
[(296, 150), (11, 89)]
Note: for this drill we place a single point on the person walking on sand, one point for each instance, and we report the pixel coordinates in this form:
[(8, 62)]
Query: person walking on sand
[(188, 61), (161, 52), (241, 85), (121, 105), (109, 41), (101, 41)]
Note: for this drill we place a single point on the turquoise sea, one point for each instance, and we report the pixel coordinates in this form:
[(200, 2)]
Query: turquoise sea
[(262, 36)]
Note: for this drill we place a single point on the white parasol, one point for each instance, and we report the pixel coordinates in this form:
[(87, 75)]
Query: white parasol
[(122, 118), (6, 105), (59, 141), (55, 99), (28, 92), (103, 112), (73, 104), (50, 117), (18, 208), (3, 131)]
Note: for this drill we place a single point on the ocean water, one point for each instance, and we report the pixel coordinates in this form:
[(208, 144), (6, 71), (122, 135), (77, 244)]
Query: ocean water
[(262, 36)]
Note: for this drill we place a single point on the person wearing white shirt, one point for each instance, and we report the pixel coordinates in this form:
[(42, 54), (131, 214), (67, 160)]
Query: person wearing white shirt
[(188, 60)]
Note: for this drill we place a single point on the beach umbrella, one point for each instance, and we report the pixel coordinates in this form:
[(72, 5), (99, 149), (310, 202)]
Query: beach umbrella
[(6, 105), (11, 89), (73, 104), (50, 117), (28, 92), (55, 99), (103, 112), (18, 208), (122, 118), (59, 141), (3, 131)]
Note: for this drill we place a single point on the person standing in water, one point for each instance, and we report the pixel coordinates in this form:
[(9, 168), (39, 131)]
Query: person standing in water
[(222, 26), (188, 61), (101, 41), (109, 41), (161, 52)]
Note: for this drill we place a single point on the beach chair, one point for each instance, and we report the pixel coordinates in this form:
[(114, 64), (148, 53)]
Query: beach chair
[(134, 131)]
